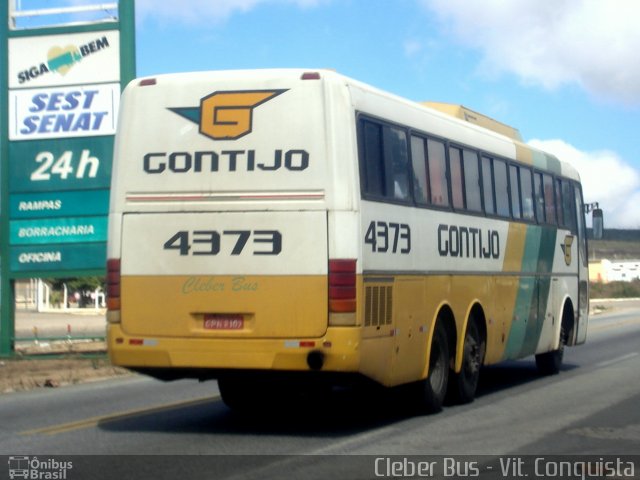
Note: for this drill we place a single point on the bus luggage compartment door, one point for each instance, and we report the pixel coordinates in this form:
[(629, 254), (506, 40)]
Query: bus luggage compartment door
[(233, 274)]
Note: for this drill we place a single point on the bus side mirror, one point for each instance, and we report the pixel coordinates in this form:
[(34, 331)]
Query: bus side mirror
[(598, 224)]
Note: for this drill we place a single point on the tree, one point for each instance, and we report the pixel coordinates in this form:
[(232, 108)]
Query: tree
[(85, 286)]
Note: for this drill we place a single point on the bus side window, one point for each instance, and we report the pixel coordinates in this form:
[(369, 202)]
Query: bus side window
[(582, 228), (437, 173), (420, 178), (455, 173), (528, 212), (472, 181), (373, 160), (568, 206), (502, 188), (559, 208), (396, 159), (514, 185), (538, 195), (386, 161), (549, 199), (487, 183)]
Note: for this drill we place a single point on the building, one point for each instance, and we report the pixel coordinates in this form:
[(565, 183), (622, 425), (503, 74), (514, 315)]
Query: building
[(605, 271)]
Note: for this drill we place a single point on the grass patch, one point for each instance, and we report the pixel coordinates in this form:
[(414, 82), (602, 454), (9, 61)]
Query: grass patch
[(615, 289)]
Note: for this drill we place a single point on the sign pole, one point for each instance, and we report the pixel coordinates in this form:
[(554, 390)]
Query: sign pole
[(60, 86), (127, 18), (7, 326)]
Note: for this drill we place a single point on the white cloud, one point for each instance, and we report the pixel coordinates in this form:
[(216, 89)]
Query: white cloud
[(592, 43), (204, 11), (606, 179)]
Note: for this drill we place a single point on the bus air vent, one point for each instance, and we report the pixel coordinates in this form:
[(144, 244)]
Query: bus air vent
[(378, 305)]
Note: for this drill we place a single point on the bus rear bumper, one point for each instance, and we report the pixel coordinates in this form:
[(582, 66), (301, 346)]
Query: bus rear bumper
[(337, 351)]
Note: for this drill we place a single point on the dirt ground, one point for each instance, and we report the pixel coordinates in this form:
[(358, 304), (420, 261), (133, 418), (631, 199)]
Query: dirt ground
[(56, 366)]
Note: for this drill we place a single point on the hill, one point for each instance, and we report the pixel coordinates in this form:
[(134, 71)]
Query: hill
[(617, 244)]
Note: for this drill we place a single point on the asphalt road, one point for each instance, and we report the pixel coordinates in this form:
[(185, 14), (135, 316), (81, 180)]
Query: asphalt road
[(591, 408)]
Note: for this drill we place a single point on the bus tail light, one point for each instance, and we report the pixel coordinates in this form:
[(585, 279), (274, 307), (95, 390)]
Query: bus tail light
[(310, 76), (113, 290), (342, 286)]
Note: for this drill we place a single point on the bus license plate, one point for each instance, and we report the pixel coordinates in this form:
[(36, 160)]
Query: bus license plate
[(223, 322)]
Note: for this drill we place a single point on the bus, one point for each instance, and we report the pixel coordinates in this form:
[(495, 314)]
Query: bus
[(273, 227)]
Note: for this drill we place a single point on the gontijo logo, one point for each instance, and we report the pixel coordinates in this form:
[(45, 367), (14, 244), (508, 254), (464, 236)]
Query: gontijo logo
[(227, 115), (566, 248)]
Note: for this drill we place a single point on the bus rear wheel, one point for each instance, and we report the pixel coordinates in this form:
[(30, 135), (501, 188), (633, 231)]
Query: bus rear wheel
[(235, 393), (463, 385), (429, 393), (549, 363)]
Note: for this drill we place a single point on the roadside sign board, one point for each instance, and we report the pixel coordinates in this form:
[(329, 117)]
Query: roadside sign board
[(60, 165), (63, 93), (64, 59), (53, 257), (63, 112), (58, 204)]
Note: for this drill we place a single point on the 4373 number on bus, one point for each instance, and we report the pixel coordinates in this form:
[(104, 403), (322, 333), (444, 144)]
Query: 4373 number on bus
[(388, 237), (234, 242)]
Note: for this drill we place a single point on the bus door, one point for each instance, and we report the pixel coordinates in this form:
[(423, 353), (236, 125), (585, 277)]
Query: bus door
[(583, 270)]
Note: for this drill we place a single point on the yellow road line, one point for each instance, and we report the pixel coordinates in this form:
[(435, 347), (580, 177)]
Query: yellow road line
[(95, 421)]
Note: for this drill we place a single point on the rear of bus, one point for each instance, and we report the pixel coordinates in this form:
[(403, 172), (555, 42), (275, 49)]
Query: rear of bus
[(227, 188)]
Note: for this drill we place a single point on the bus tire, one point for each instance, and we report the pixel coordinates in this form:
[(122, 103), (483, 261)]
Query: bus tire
[(234, 393), (549, 363), (463, 385), (431, 391)]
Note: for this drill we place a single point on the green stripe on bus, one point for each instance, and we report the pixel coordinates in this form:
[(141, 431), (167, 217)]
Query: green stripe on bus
[(521, 314), (518, 336), (534, 253), (533, 292), (548, 246)]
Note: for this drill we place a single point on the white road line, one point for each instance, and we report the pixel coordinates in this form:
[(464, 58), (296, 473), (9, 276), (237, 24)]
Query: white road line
[(620, 359)]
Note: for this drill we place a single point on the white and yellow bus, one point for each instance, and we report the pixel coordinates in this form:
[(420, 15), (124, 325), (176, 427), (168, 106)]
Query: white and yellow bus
[(300, 224)]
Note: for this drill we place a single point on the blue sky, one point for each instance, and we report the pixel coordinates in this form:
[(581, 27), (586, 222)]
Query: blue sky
[(564, 72)]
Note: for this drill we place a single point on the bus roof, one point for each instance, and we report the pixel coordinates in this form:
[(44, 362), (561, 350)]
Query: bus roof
[(471, 116), (463, 116)]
